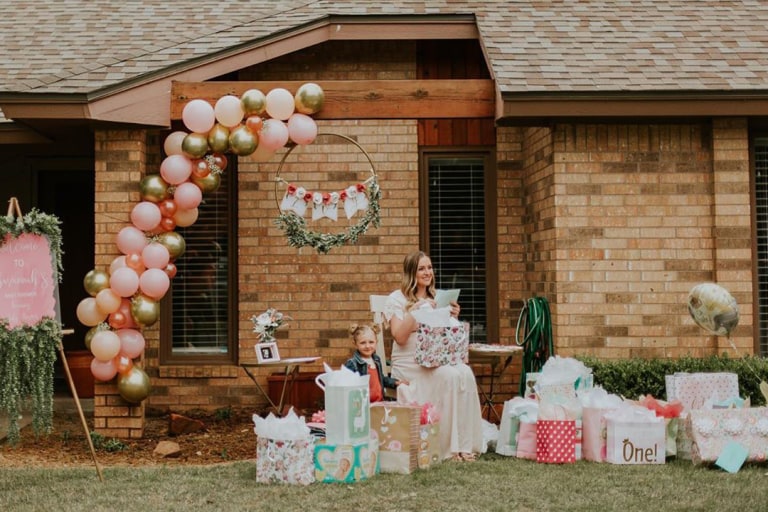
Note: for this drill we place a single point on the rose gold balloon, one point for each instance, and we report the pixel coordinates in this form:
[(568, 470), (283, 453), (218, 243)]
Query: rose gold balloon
[(167, 208), (254, 123), (167, 224), (220, 161), (117, 320), (200, 168), (171, 270), (135, 262), (123, 363)]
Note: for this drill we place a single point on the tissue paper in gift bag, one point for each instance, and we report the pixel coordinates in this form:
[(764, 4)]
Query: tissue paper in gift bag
[(285, 461), (514, 409), (397, 427), (429, 445), (711, 430), (346, 462), (556, 441)]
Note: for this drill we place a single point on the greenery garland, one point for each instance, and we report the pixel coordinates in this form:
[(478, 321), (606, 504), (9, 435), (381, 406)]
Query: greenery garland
[(28, 353), (299, 235)]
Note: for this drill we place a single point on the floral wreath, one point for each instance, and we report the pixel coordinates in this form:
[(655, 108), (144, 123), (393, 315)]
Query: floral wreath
[(365, 196)]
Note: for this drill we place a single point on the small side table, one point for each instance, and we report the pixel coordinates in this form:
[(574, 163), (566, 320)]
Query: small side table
[(291, 366), (499, 357)]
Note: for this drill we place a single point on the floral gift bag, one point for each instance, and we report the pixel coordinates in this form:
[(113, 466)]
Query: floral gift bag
[(438, 346), (284, 450)]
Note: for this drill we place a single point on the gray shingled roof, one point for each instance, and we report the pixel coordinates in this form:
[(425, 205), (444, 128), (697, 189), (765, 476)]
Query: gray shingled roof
[(83, 46)]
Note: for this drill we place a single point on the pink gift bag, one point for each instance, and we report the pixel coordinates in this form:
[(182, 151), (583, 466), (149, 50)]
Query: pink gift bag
[(593, 433), (526, 441), (556, 441)]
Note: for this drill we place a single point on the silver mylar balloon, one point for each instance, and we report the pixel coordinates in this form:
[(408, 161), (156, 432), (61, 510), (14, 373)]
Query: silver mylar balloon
[(134, 385), (712, 307)]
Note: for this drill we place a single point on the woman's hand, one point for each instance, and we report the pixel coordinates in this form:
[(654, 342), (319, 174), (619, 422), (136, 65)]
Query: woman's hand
[(455, 309)]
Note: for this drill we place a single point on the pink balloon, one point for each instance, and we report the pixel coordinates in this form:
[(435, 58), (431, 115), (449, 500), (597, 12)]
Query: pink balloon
[(188, 196), (185, 218), (229, 110), (198, 116), (154, 282), (302, 129), (130, 240), (280, 103), (132, 342), (155, 255), (124, 282), (108, 301), (172, 144), (262, 154), (146, 216), (88, 312), (125, 312), (105, 345), (117, 263), (176, 169), (274, 134), (103, 370)]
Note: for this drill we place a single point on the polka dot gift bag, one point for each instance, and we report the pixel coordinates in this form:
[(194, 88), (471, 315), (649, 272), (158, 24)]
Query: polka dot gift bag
[(555, 436)]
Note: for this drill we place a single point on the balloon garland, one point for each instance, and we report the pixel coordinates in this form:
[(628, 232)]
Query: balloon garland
[(292, 222), (126, 298)]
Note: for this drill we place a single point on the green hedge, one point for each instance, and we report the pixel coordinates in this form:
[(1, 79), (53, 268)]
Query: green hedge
[(632, 378)]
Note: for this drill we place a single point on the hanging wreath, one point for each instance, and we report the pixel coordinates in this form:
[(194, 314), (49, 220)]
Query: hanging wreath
[(28, 352), (291, 220)]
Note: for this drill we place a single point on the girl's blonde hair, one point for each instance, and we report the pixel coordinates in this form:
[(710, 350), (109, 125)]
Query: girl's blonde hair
[(357, 329)]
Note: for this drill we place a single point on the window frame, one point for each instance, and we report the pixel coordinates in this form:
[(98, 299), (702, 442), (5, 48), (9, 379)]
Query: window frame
[(487, 153)]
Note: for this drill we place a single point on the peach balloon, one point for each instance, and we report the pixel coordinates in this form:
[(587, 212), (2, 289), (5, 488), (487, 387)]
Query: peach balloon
[(302, 129), (146, 216), (123, 363), (280, 104), (198, 116), (132, 342), (103, 371), (105, 345), (155, 255), (172, 144), (229, 111), (185, 218), (134, 261), (108, 301), (154, 282), (131, 239), (124, 281), (274, 134), (117, 320), (88, 312), (176, 169), (188, 196)]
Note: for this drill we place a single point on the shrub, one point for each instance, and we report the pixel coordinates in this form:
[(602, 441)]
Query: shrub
[(632, 378)]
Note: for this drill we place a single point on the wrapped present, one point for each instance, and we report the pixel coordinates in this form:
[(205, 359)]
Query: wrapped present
[(397, 429), (284, 450), (438, 346), (634, 435), (347, 406), (556, 441), (346, 462), (513, 411), (711, 430), (701, 390)]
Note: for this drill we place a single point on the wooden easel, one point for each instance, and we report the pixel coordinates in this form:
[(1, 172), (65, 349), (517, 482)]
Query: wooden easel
[(14, 208)]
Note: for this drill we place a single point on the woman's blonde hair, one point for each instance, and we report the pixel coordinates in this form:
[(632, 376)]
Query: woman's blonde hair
[(409, 283)]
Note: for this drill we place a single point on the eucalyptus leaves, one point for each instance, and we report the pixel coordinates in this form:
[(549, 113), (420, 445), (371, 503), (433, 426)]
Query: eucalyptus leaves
[(28, 353)]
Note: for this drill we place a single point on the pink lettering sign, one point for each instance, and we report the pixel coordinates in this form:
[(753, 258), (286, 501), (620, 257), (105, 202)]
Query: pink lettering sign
[(27, 282)]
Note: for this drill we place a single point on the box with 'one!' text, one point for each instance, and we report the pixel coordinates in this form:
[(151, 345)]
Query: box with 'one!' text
[(635, 442)]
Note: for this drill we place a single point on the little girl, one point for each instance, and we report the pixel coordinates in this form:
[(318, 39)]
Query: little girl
[(366, 361)]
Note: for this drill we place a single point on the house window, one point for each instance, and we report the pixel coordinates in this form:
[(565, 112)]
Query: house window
[(460, 234), (199, 317), (761, 218)]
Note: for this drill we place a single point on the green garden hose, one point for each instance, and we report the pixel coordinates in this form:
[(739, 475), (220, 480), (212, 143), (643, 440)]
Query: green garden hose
[(536, 340)]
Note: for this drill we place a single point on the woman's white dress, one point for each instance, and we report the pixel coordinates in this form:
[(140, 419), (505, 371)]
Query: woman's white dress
[(450, 388)]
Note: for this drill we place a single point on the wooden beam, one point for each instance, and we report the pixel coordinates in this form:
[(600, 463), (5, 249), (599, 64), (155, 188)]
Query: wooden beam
[(364, 99)]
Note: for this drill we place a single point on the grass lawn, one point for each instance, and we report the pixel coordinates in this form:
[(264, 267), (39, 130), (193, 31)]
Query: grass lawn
[(493, 483)]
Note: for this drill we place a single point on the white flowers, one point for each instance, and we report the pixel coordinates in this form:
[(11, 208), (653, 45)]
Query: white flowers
[(267, 323)]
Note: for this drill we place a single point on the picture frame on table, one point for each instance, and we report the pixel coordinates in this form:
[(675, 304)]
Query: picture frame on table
[(267, 352)]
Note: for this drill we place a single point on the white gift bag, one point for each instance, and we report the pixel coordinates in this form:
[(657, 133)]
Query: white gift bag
[(635, 436), (513, 410), (347, 406)]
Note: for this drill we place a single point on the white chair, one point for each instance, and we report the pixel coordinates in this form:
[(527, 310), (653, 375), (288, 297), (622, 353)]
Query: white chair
[(377, 308)]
